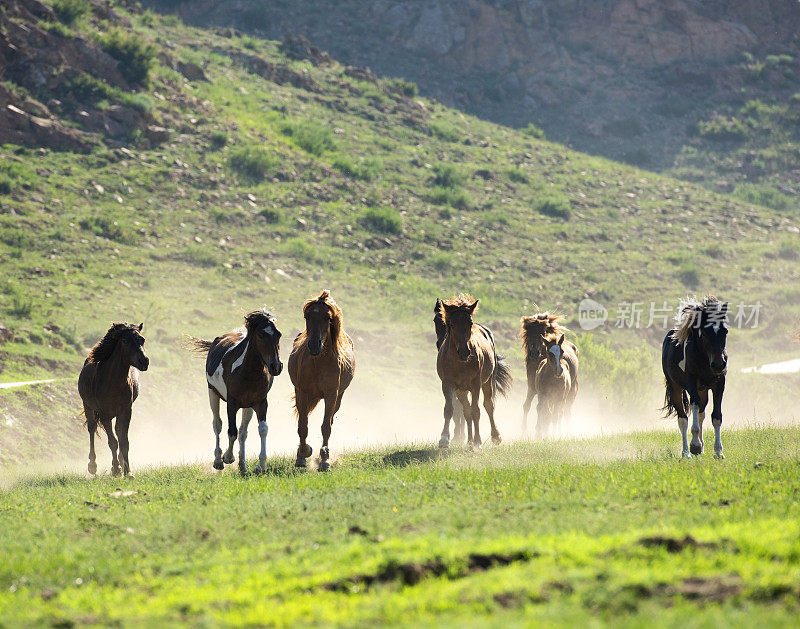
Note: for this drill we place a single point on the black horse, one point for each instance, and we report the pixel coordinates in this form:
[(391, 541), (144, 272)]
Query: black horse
[(695, 362)]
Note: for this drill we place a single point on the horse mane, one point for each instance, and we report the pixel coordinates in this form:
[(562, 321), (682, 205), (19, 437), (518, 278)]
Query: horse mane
[(690, 316), (340, 342), (539, 327), (461, 301), (103, 349), (256, 319)]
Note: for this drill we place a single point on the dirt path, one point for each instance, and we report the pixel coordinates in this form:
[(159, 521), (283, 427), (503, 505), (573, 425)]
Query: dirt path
[(12, 385)]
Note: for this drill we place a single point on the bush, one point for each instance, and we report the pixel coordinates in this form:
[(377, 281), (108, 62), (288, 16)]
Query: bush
[(21, 307), (445, 131), (381, 220), (218, 139), (363, 169), (788, 249), (533, 131), (689, 274), (6, 185), (447, 196), (105, 227), (722, 128), (70, 11), (401, 86), (301, 249), (135, 56), (312, 137), (447, 175), (760, 194), (517, 176), (271, 215), (253, 163), (555, 206), (15, 238)]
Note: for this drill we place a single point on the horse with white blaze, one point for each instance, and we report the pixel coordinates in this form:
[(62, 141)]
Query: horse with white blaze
[(240, 367)]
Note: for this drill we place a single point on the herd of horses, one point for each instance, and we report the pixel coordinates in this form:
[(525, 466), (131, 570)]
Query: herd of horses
[(241, 365)]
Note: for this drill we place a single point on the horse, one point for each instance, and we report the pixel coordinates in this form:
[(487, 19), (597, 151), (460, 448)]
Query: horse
[(458, 412), (109, 385), (321, 367), (694, 362), (240, 368), (535, 331), (555, 384), (468, 363)]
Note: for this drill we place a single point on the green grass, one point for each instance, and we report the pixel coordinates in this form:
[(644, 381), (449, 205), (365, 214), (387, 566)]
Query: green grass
[(605, 531)]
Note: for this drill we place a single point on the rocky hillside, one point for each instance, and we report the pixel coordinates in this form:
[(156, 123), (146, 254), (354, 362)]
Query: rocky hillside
[(639, 81)]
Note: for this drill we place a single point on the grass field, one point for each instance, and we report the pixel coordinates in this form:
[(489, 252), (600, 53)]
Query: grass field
[(615, 530)]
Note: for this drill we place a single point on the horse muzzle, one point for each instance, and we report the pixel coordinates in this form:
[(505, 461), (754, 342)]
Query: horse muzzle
[(144, 363), (463, 354), (315, 348), (275, 368)]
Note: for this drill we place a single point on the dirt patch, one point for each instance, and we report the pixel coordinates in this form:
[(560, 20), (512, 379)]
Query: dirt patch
[(674, 544), (411, 573), (709, 590)]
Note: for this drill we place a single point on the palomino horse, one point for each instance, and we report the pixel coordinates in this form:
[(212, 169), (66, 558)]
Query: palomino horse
[(109, 385), (535, 332), (321, 366), (555, 384), (468, 363), (694, 361), (240, 367)]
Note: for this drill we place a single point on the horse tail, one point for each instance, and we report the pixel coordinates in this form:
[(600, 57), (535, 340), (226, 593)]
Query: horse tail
[(501, 376), (194, 344), (668, 408), (97, 424)]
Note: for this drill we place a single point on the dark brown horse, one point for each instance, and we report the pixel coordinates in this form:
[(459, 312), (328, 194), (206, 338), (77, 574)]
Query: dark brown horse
[(694, 362), (536, 331), (109, 385), (240, 367), (468, 364), (555, 385), (321, 366), (459, 431)]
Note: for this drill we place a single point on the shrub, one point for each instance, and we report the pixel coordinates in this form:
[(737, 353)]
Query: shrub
[(271, 215), (447, 196), (105, 227), (312, 137), (788, 249), (381, 220), (15, 238), (555, 206), (218, 139), (134, 55), (70, 11), (57, 28), (6, 185), (722, 128), (689, 274), (533, 131), (447, 175), (21, 307), (401, 86), (300, 249), (363, 169), (517, 176), (445, 131), (760, 194), (253, 163)]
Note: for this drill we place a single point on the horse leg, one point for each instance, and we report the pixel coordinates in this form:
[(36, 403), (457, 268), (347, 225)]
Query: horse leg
[(476, 417), (262, 433), (216, 423), (247, 415), (488, 404), (447, 390), (122, 425), (526, 407), (112, 444), (459, 421), (716, 418), (677, 398), (232, 409), (702, 415), (327, 423), (303, 450), (91, 424), (696, 446)]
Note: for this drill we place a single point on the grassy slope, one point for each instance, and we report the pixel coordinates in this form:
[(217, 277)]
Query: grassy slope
[(212, 549)]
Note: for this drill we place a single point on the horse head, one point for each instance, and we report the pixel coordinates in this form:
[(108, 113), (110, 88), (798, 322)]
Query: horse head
[(132, 343), (554, 352), (713, 333), (458, 321), (319, 318), (268, 340)]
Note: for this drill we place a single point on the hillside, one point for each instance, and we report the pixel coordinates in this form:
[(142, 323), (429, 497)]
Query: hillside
[(175, 175), (702, 90)]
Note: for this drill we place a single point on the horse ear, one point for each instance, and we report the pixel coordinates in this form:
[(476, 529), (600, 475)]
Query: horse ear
[(472, 306), (561, 339), (141, 325)]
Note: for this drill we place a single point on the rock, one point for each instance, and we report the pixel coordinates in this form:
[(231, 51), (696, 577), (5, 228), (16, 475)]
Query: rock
[(192, 71), (156, 134), (302, 223), (298, 47), (362, 74), (6, 334)]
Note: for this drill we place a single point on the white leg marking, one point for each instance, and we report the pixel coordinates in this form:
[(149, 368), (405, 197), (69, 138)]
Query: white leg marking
[(263, 429), (717, 423), (683, 425), (247, 415), (701, 419), (213, 400), (696, 445)]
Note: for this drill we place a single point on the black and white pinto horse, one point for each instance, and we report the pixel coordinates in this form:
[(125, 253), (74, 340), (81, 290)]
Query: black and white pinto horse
[(695, 362), (240, 367)]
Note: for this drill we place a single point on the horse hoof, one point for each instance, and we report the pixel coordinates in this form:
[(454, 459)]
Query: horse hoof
[(115, 471), (92, 468), (219, 465), (497, 440), (130, 476), (228, 458), (444, 443), (696, 449), (325, 465), (685, 455), (719, 455), (300, 462)]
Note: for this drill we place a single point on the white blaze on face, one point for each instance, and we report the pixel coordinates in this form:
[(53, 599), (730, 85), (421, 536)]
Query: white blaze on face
[(555, 350)]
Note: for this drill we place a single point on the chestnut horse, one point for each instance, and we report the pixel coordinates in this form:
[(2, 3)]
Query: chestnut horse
[(321, 366), (109, 385), (555, 384), (468, 363), (536, 330), (240, 367)]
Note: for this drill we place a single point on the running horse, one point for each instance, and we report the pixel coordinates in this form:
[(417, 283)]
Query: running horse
[(321, 367), (694, 362), (536, 331), (555, 384), (240, 368), (468, 364), (109, 385)]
